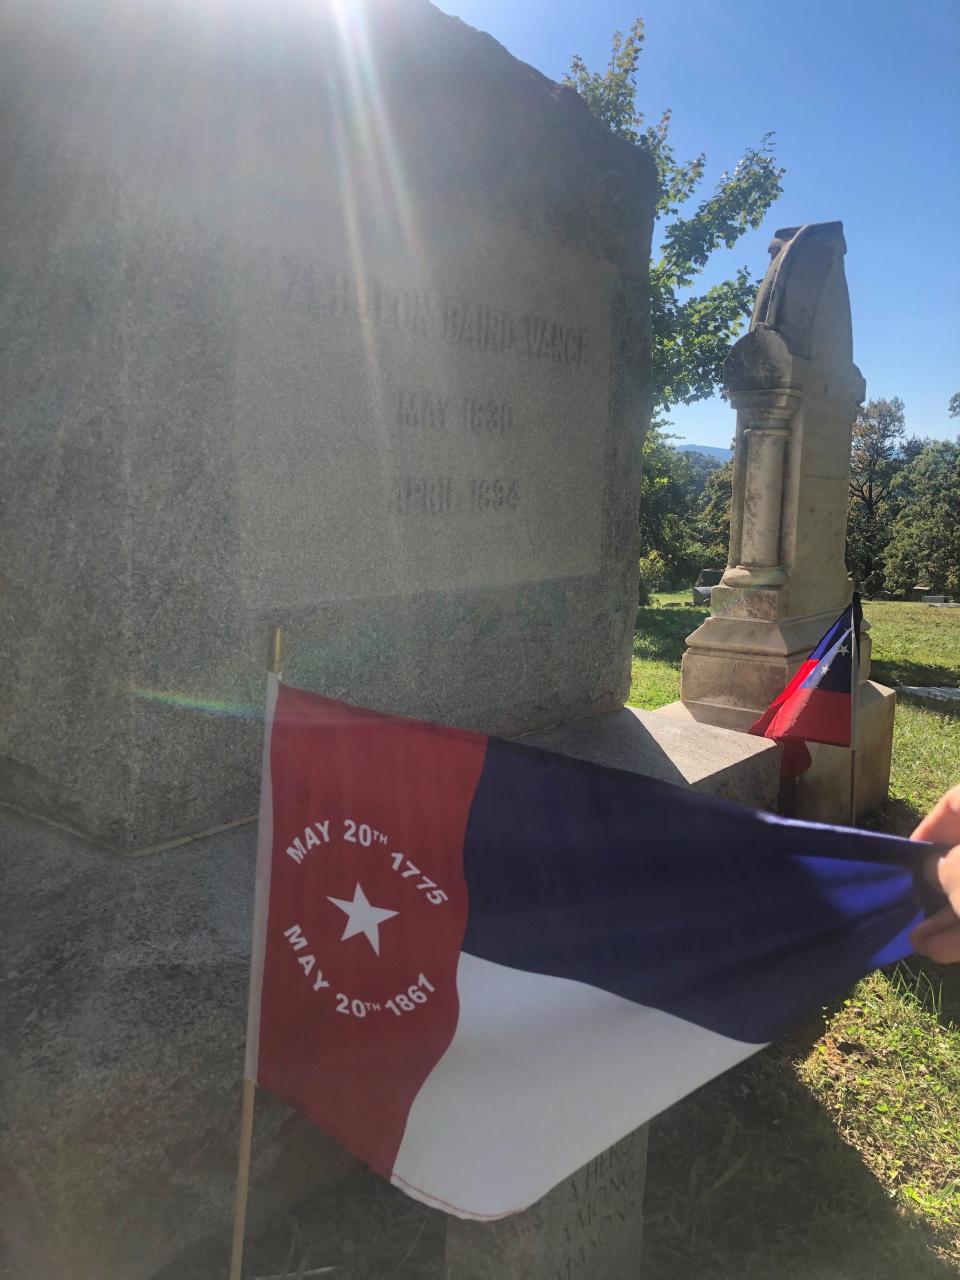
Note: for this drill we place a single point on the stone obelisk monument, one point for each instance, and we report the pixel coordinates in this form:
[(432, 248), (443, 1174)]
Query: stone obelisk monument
[(795, 388)]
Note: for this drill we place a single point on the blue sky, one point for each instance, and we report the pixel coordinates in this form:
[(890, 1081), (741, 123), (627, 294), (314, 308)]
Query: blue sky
[(865, 102)]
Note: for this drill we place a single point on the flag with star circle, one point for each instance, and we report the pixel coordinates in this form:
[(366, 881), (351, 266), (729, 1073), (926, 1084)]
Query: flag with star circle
[(478, 965)]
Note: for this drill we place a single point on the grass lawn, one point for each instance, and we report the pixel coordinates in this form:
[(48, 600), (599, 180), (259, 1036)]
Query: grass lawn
[(662, 628), (914, 644), (835, 1154)]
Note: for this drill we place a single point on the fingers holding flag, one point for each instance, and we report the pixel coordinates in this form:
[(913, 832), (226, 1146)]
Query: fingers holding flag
[(938, 937)]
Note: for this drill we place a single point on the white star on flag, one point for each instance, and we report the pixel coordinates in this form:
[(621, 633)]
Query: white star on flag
[(844, 650), (362, 917), (825, 668)]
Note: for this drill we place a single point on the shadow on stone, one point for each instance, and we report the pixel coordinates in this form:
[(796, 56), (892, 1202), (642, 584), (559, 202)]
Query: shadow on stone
[(730, 765)]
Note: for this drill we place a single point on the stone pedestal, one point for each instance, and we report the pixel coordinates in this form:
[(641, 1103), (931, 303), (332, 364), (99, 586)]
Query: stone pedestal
[(823, 792), (587, 1228)]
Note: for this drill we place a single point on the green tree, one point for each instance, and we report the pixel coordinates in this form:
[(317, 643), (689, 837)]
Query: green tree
[(692, 334), (715, 514), (702, 466), (955, 405), (672, 549), (874, 462), (924, 544)]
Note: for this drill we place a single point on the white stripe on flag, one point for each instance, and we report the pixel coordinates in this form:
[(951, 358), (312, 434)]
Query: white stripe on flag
[(542, 1075)]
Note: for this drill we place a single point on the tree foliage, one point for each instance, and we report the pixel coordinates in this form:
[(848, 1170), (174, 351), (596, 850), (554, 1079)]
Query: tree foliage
[(692, 335), (924, 543), (676, 537), (715, 515), (874, 461)]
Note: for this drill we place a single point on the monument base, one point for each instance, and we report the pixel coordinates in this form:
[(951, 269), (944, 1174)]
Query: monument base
[(751, 652), (707, 758), (822, 794)]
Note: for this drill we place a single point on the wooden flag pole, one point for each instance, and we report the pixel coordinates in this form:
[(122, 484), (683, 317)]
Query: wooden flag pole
[(274, 667), (243, 1178)]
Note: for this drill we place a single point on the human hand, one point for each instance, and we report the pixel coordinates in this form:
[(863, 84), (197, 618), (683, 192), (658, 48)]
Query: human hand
[(939, 936)]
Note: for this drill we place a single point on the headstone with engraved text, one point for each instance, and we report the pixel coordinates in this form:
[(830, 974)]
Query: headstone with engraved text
[(324, 316)]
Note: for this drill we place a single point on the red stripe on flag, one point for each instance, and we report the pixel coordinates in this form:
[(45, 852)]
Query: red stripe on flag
[(761, 726), (358, 1004), (817, 715)]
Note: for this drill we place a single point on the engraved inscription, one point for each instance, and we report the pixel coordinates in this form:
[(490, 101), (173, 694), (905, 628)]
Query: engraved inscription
[(604, 1197), (486, 417), (420, 408), (326, 292), (445, 495), (590, 1227), (426, 423)]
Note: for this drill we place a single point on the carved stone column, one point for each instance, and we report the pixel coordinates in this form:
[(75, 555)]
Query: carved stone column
[(765, 417)]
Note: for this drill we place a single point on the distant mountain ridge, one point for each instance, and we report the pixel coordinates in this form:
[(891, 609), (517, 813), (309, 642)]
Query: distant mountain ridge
[(711, 450)]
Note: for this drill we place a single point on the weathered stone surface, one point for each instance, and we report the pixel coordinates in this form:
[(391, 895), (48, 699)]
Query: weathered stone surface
[(588, 1227), (291, 343), (124, 1011), (823, 792), (714, 760), (795, 387)]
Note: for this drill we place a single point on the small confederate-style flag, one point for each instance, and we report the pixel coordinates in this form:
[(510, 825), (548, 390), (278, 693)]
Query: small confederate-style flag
[(817, 704), (477, 964)]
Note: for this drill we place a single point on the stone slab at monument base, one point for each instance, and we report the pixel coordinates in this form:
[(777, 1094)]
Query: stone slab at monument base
[(729, 765), (822, 794), (590, 1226)]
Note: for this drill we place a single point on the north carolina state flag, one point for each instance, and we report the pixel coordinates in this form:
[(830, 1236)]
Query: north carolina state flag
[(478, 965), (817, 704)]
